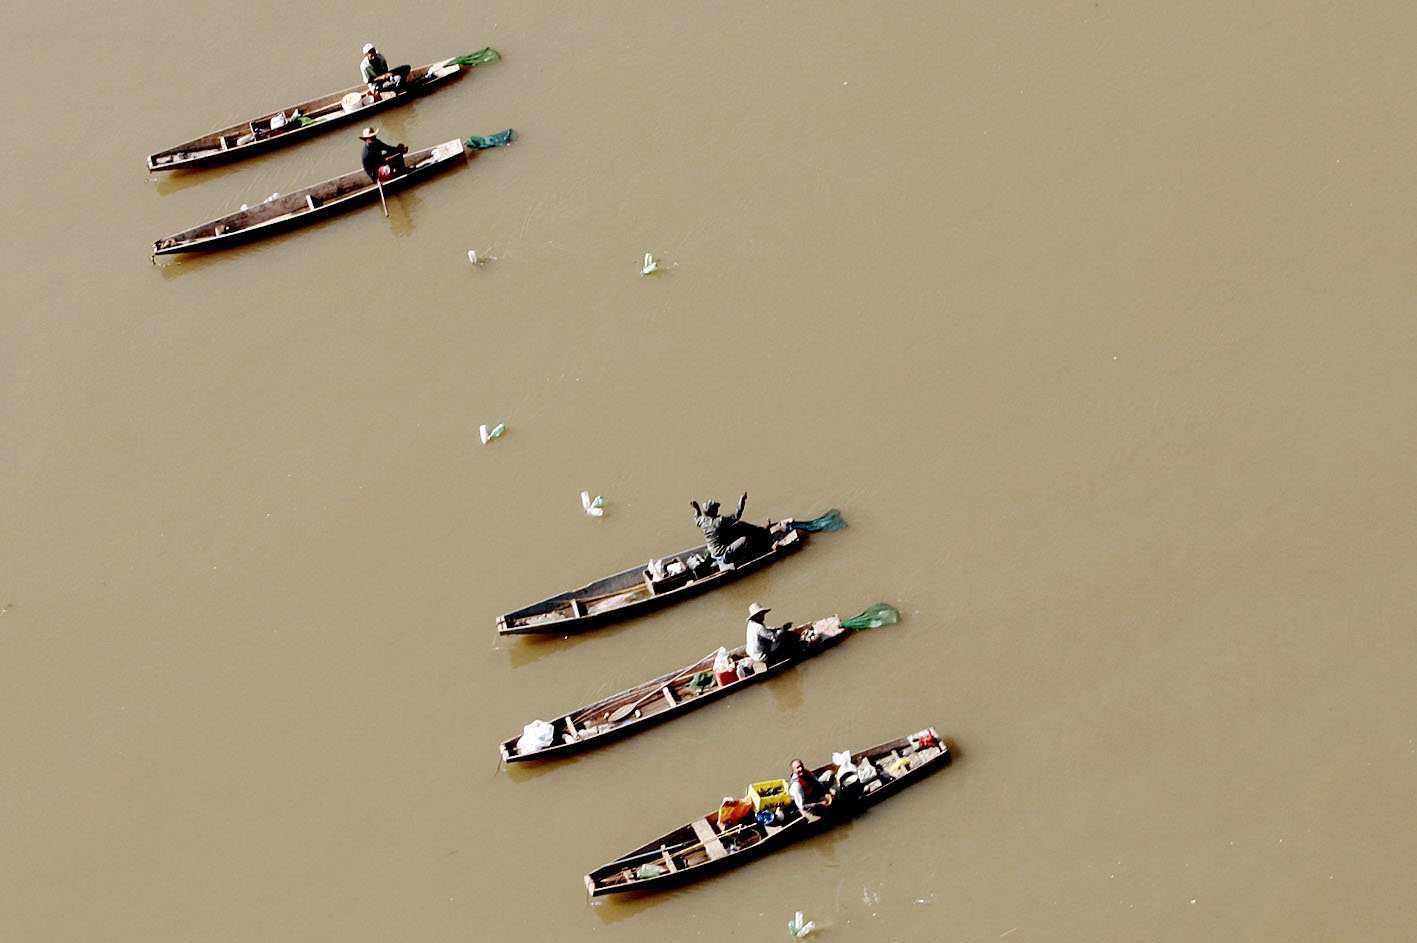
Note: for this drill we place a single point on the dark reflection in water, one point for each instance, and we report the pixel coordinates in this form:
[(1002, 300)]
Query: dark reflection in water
[(787, 688), (175, 181), (403, 204), (526, 649)]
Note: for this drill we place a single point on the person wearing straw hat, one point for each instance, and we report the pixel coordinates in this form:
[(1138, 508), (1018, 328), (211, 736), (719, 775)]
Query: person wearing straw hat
[(768, 643), (381, 162), (376, 72)]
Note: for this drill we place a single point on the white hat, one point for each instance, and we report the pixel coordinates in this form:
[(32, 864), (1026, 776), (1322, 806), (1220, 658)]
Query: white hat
[(368, 48), (756, 610)]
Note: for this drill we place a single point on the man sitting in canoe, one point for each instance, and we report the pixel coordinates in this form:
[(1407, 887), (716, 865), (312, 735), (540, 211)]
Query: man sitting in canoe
[(809, 794), (770, 644), (377, 74), (730, 539), (381, 162)]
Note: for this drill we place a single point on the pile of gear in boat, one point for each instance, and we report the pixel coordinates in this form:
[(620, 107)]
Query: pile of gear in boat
[(743, 822)]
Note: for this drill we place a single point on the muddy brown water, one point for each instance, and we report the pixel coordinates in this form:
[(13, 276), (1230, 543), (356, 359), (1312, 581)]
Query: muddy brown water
[(1093, 319)]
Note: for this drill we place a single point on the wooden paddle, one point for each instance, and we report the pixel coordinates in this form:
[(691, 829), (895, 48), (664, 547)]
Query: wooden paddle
[(380, 184), (623, 712)]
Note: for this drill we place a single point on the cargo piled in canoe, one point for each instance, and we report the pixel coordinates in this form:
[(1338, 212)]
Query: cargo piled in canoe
[(767, 819)]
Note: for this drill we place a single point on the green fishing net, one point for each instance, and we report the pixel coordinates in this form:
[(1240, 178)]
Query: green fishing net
[(878, 615), (476, 58), (493, 140)]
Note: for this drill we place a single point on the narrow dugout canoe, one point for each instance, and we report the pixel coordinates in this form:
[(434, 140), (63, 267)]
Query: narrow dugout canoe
[(702, 847), (306, 206), (666, 696), (635, 591), (254, 136)]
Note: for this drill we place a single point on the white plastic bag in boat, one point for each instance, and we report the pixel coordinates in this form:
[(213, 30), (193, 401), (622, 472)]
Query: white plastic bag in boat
[(866, 772), (721, 664), (536, 735)]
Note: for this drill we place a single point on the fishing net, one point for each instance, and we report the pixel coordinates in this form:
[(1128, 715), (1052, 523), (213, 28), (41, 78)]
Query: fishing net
[(831, 520), (493, 140), (878, 615), (476, 58)]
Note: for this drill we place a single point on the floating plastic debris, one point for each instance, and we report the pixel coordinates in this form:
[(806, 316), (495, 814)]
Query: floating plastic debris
[(651, 265), (488, 436), (479, 260), (797, 928), (595, 507), (273, 196)]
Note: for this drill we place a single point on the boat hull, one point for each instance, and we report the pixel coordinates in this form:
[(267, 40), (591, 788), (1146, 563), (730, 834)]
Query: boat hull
[(578, 730), (616, 877), (627, 594), (223, 146), (308, 205)]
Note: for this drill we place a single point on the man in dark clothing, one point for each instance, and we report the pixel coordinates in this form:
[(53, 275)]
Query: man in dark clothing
[(376, 72), (381, 162), (730, 540)]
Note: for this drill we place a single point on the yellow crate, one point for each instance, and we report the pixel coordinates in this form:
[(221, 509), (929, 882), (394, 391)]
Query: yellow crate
[(769, 795)]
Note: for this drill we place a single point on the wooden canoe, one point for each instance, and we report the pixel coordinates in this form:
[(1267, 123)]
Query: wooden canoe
[(701, 847), (306, 206), (634, 591), (666, 696), (255, 135)]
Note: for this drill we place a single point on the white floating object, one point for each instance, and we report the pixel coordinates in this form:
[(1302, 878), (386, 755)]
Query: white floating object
[(585, 500), (596, 512), (488, 436), (273, 196), (472, 256), (593, 506), (651, 265), (798, 928)]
